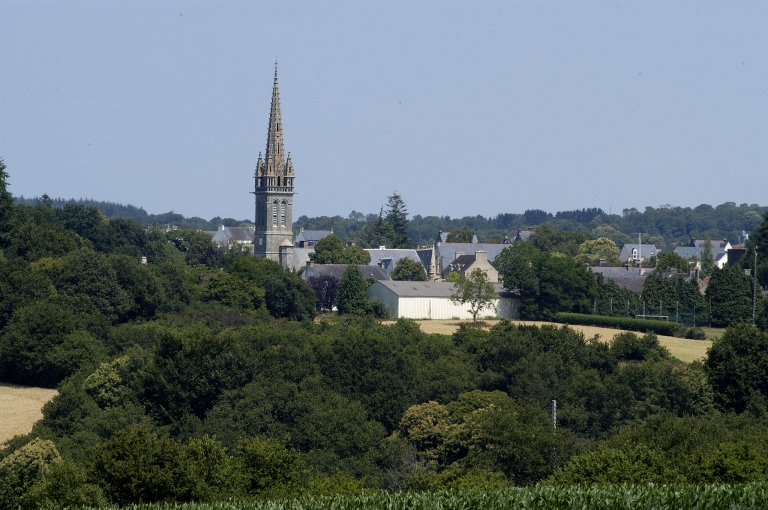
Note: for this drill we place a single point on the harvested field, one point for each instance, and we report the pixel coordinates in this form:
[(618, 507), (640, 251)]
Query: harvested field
[(20, 408), (682, 349)]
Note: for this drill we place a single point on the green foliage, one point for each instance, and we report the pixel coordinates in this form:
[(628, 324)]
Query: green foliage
[(629, 347), (330, 250), (460, 235), (730, 295), (707, 259), (452, 277), (352, 295), (547, 282), (637, 465), (408, 269), (270, 469), (669, 260), (758, 241), (136, 466), (285, 294), (397, 216), (477, 291), (644, 326), (573, 497), (49, 340), (730, 462), (679, 298), (65, 485), (6, 206), (602, 248), (736, 366)]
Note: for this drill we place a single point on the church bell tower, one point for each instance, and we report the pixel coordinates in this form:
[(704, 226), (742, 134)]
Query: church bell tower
[(274, 190)]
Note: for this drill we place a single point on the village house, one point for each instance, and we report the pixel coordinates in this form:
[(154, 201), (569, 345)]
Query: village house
[(464, 264)]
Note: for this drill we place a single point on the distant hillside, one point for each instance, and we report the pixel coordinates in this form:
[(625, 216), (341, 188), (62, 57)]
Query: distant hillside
[(113, 210), (660, 225)]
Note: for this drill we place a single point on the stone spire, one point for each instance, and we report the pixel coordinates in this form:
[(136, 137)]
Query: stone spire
[(273, 235), (275, 164)]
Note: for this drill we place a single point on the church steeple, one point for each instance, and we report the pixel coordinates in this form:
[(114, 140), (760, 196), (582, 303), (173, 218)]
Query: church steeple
[(275, 169), (274, 188)]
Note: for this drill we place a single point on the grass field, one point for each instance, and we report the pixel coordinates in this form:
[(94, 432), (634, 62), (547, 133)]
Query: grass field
[(682, 349), (20, 408)]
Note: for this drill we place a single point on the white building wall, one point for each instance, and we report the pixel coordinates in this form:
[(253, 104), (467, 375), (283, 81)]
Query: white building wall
[(386, 295), (443, 308)]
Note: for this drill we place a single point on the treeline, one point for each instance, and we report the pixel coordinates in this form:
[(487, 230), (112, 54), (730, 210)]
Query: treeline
[(202, 376), (663, 225), (112, 210)]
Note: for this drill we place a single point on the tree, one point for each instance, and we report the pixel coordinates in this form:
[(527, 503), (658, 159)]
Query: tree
[(379, 233), (325, 288), (355, 255), (730, 293), (461, 235), (352, 296), (330, 250), (518, 270), (476, 290), (591, 251), (397, 216), (408, 269), (707, 259), (736, 365), (668, 260), (6, 205)]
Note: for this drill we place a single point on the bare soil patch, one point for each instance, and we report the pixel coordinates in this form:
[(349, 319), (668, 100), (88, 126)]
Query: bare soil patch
[(681, 348), (20, 408)]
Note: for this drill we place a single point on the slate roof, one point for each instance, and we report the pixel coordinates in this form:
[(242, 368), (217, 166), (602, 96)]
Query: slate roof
[(337, 271), (241, 234), (442, 237), (311, 236), (689, 251), (445, 253), (433, 289), (632, 280), (701, 243), (298, 258), (646, 251), (387, 258), (520, 234)]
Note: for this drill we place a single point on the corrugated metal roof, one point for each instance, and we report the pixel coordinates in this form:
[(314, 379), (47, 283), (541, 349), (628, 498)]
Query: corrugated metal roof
[(432, 289)]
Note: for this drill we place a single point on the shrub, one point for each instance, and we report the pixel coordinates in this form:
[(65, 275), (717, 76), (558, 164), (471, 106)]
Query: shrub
[(642, 325)]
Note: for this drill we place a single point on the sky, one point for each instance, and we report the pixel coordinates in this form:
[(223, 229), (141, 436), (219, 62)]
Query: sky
[(463, 108)]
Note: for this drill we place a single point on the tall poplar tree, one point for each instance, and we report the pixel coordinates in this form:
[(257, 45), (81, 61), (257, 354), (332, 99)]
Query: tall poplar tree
[(397, 216), (6, 206)]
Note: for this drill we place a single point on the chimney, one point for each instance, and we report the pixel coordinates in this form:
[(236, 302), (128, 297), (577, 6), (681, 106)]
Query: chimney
[(481, 255)]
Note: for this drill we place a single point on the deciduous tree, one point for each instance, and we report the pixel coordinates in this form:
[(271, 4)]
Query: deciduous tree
[(477, 290), (407, 269)]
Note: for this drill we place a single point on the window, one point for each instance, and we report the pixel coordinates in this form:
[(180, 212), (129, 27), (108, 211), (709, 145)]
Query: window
[(274, 212), (634, 253), (282, 213)]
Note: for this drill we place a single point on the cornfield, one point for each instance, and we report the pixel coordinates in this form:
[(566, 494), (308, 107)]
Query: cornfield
[(636, 497)]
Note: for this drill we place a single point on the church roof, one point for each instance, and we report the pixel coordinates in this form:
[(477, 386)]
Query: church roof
[(337, 271)]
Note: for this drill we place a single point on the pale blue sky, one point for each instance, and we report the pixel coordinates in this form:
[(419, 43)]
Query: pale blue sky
[(463, 107)]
